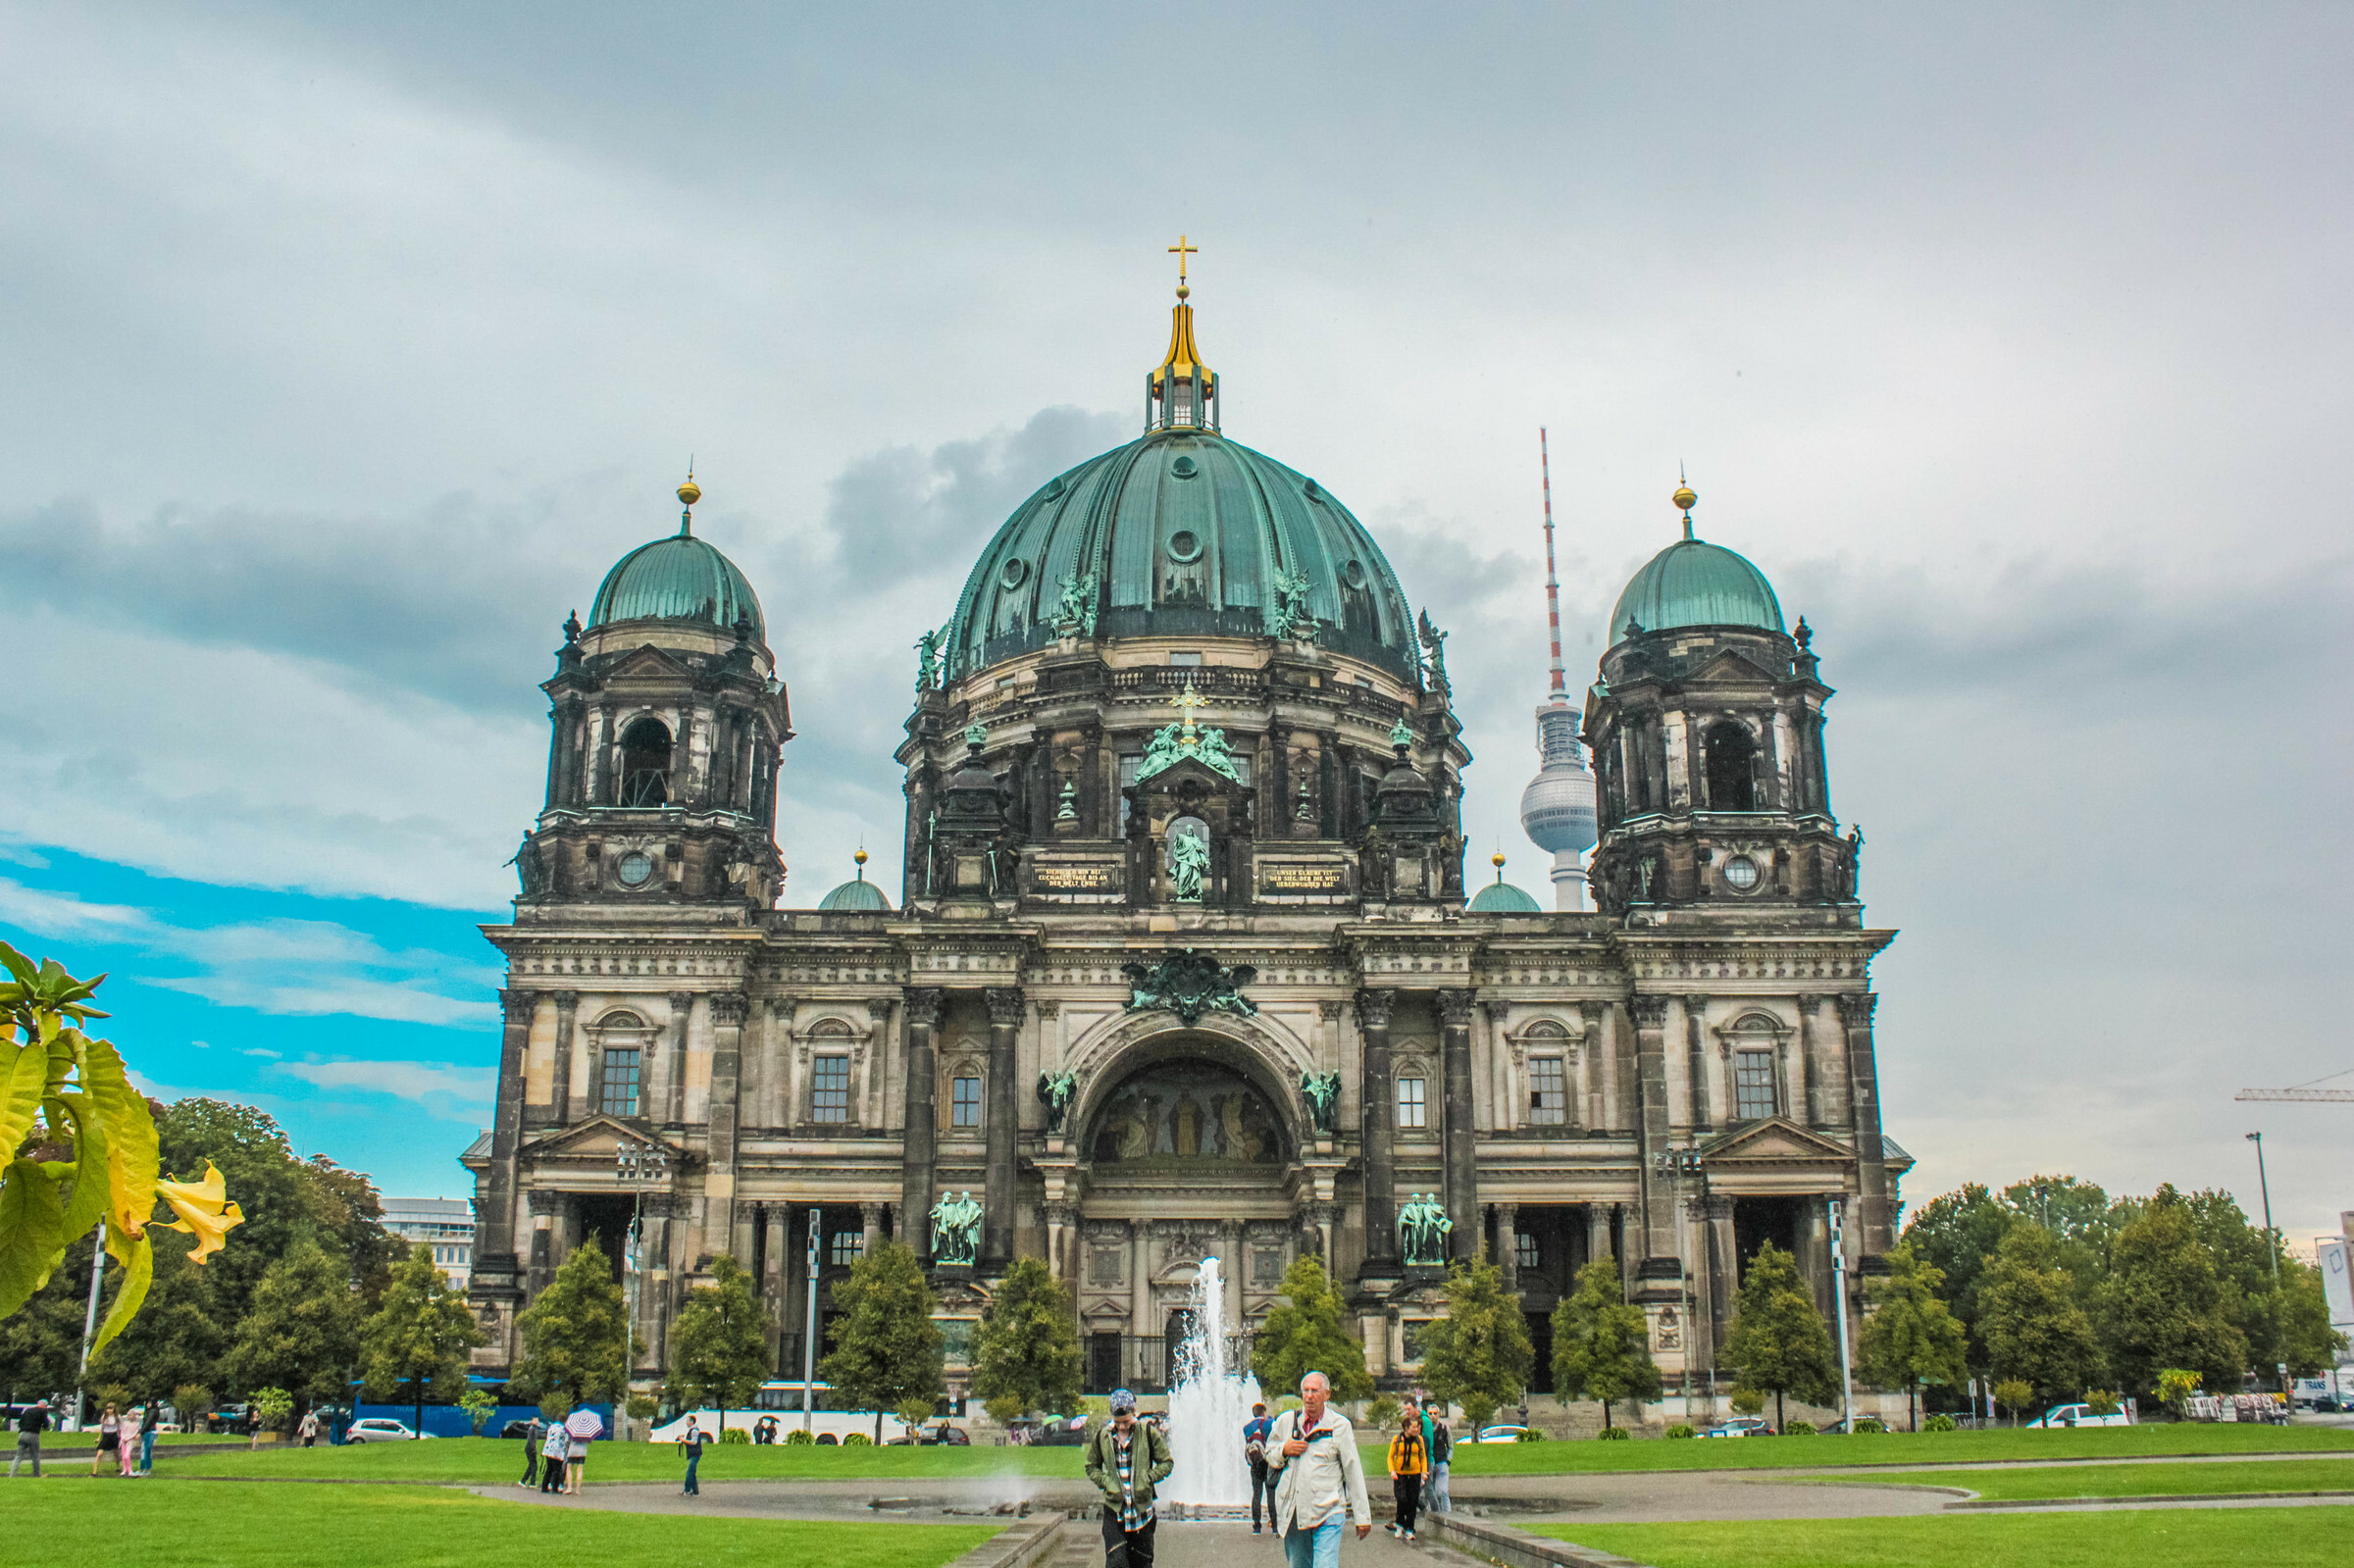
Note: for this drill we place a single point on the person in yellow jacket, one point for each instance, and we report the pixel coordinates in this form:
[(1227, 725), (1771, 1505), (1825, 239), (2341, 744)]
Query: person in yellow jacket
[(1410, 1462)]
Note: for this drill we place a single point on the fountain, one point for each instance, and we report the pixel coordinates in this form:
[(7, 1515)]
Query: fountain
[(1208, 1403)]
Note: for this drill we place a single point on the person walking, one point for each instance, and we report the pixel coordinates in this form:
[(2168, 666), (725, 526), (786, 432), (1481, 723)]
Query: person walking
[(147, 1431), (308, 1429), (110, 1441), (581, 1427), (1435, 1498), (126, 1441), (1254, 1450), (31, 1422), (693, 1440), (1410, 1462), (1127, 1462), (1320, 1479), (552, 1450), (535, 1433)]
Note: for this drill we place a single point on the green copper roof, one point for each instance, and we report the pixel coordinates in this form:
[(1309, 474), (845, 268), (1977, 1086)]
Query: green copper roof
[(1184, 533), (855, 894), (1502, 899), (1692, 582), (677, 578)]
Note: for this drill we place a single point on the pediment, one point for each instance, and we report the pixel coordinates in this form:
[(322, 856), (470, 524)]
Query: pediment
[(1731, 667), (1776, 1141), (1188, 770), (649, 663), (598, 1140)]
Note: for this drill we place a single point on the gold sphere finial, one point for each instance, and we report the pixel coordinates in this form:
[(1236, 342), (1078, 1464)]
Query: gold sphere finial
[(1184, 292), (690, 492), (860, 857), (1497, 860), (1684, 497)]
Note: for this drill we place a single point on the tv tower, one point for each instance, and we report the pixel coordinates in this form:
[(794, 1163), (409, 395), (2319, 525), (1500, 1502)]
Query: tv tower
[(1557, 809)]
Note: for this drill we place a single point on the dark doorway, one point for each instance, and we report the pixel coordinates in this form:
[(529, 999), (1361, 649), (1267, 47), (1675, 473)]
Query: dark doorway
[(1539, 1345), (1758, 1220), (1733, 773), (605, 1220), (1173, 1364), (646, 764), (1103, 1362)]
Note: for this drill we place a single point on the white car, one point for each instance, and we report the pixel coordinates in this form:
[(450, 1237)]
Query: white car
[(2079, 1415), (1737, 1426), (381, 1428), (1504, 1434)]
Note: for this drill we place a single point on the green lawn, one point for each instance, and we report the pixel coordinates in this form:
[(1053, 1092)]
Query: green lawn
[(2140, 1481), (495, 1459), (2179, 1538), (87, 1441), (196, 1524), (2187, 1438)]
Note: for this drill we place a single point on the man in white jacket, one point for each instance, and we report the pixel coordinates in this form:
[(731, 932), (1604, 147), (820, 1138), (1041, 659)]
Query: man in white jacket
[(1320, 1478)]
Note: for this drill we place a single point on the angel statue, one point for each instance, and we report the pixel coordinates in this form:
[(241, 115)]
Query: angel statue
[(1322, 1091), (1055, 1091), (927, 655)]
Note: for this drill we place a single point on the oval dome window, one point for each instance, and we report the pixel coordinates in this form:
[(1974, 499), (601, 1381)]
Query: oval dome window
[(1184, 467), (1014, 571), (1355, 571), (1185, 546)]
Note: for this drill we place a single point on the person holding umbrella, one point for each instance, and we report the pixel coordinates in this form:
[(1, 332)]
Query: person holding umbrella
[(580, 1427)]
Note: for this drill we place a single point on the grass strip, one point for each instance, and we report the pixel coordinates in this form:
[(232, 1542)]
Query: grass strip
[(196, 1524), (2184, 1440), (2179, 1538), (2137, 1481), (480, 1461)]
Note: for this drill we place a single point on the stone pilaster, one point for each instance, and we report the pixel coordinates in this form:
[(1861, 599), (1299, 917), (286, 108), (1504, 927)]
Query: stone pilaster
[(1462, 1137), (1808, 1091), (1660, 1271), (559, 1079), (1004, 1125), (495, 1266), (1507, 1247), (921, 1138), (1871, 1157), (1379, 1111), (719, 1180), (674, 1059), (1696, 1069)]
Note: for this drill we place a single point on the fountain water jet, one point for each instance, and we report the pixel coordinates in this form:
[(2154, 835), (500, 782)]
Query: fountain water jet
[(1208, 1403)]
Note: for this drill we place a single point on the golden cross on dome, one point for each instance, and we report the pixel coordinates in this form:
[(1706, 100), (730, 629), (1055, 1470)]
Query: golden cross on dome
[(1189, 699), (1181, 250)]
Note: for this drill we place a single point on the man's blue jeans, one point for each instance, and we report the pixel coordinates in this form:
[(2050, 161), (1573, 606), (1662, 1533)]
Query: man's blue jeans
[(1318, 1547)]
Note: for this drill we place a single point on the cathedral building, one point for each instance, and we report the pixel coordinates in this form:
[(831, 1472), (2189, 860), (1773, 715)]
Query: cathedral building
[(1182, 963)]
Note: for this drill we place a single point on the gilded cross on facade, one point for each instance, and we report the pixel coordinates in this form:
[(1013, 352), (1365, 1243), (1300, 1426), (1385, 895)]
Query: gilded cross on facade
[(1188, 700), (1181, 250)]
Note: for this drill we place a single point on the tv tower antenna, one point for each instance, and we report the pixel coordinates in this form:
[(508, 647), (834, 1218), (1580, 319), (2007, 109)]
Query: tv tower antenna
[(1553, 580), (1557, 809)]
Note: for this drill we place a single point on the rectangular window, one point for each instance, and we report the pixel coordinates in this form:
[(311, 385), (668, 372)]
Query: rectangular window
[(617, 1095), (1548, 1095), (1752, 1085), (964, 1102), (1525, 1250), (844, 1247), (829, 1090), (1414, 1104), (1186, 661)]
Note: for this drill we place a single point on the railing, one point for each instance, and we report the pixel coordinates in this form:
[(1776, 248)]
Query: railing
[(1141, 1363)]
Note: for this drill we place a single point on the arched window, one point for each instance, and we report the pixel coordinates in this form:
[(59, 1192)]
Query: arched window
[(622, 1040), (646, 764), (1732, 756)]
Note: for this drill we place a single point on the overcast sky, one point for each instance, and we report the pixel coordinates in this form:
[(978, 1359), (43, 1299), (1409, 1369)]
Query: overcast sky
[(349, 344)]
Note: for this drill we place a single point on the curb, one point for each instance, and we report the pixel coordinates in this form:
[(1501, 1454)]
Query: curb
[(2135, 1499), (1018, 1546), (1508, 1547)]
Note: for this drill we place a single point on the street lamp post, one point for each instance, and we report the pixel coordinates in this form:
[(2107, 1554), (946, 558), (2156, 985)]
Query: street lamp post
[(809, 1319), (634, 1166), (2271, 1237), (1847, 1381), (1679, 1164)]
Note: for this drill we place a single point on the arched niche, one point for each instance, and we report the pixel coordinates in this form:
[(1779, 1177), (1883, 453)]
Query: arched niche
[(1259, 1063), (1187, 1113)]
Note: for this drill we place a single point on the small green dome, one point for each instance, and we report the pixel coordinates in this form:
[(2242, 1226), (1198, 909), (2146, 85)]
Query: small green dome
[(1183, 532), (1691, 584), (677, 578), (1502, 899), (858, 893)]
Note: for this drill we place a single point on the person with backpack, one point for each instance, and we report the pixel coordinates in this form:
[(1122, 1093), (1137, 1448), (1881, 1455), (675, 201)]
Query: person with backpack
[(1441, 1453), (1320, 1479), (1410, 1461), (1127, 1461), (1254, 1453)]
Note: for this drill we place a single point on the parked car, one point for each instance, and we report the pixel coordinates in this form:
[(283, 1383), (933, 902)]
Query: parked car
[(236, 1418), (516, 1429), (383, 1429), (1738, 1427), (940, 1435), (1058, 1431), (1500, 1433), (2079, 1415)]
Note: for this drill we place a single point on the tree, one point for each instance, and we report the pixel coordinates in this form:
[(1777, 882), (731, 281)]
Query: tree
[(1028, 1354), (1307, 1333), (2015, 1394), (1912, 1338), (1957, 1234), (1600, 1344), (2165, 1306), (272, 1406), (719, 1342), (1778, 1344), (2034, 1330), (178, 1337), (576, 1336), (419, 1335), (2307, 1342), (1479, 1355), (887, 1350), (301, 1330), (477, 1406)]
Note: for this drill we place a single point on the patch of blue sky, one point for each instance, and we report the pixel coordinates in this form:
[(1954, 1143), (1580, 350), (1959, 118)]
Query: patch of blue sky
[(367, 1027)]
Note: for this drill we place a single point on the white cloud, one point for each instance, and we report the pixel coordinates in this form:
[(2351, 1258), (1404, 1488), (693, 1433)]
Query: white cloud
[(53, 914), (409, 1080), (256, 1050)]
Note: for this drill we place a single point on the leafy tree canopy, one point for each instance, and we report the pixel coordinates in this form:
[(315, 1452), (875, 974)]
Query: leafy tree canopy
[(1778, 1343), (576, 1335), (887, 1350), (1028, 1355), (2166, 1304), (2034, 1330), (1477, 1356), (719, 1342), (418, 1337), (1601, 1344), (301, 1330), (1308, 1334), (1910, 1337)]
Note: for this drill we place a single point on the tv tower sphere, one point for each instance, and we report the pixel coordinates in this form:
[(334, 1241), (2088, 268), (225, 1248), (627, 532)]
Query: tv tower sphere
[(1557, 809)]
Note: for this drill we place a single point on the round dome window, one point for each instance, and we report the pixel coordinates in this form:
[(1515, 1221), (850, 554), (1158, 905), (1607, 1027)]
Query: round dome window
[(1355, 571), (634, 869), (1184, 467), (1012, 573), (1741, 873), (1185, 546)]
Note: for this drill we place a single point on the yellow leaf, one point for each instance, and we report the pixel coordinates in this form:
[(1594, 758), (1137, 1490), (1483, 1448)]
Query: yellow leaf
[(20, 1089), (130, 1142), (204, 1210), (139, 1261)]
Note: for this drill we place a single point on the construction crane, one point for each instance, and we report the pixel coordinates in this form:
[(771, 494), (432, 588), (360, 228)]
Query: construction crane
[(2303, 1092)]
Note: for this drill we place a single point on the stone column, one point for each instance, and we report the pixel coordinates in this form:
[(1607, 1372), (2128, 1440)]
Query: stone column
[(1061, 1222), (1872, 1169), (544, 1208), (1807, 1092), (1004, 1125), (1695, 1066), (870, 1226), (674, 1067), (559, 1079), (1463, 1138), (921, 1138), (1140, 1297), (1660, 1267), (495, 1267), (719, 1180), (1379, 1128), (1232, 1266), (775, 1280), (659, 1209), (1598, 1231), (1724, 1272), (1507, 1247)]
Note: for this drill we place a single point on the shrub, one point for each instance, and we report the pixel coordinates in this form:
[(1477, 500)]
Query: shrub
[(1747, 1401), (798, 1439), (857, 1439), (736, 1434), (1382, 1413), (1532, 1435), (2015, 1394), (1681, 1430), (1866, 1424), (640, 1407), (1614, 1435), (271, 1407), (1798, 1429), (1938, 1423), (2102, 1401)]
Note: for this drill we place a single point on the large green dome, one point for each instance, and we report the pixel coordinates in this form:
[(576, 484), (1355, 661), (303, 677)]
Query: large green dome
[(677, 578), (1182, 532), (1693, 583)]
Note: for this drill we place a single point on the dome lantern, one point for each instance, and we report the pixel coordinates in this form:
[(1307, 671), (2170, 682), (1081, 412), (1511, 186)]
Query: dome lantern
[(1181, 392)]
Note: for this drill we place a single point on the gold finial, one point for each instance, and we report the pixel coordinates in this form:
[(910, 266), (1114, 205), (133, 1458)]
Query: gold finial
[(1497, 860), (860, 857), (1181, 250), (1684, 500), (691, 492)]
